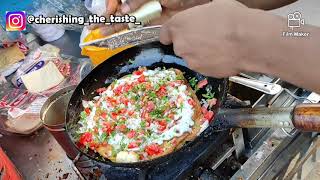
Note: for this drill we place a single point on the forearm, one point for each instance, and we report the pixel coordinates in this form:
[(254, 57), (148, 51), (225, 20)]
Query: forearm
[(294, 59), (266, 4)]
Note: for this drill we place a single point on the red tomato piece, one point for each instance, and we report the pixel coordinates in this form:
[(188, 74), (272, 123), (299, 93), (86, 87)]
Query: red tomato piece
[(133, 145), (191, 102), (122, 111), (162, 91), (204, 109), (202, 83), (127, 87), (122, 127), (162, 125), (153, 149), (118, 90), (101, 90), (209, 115), (87, 110), (104, 115), (85, 138), (142, 79), (150, 106), (114, 115), (138, 72), (130, 113), (171, 116), (131, 134), (108, 128)]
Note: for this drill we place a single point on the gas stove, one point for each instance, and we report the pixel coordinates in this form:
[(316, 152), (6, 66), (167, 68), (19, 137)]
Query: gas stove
[(239, 154)]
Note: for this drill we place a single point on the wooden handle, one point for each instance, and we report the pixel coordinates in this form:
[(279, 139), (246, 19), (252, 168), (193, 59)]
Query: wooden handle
[(306, 117)]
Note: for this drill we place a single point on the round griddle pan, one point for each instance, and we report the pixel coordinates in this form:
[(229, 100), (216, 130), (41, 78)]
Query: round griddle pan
[(150, 55)]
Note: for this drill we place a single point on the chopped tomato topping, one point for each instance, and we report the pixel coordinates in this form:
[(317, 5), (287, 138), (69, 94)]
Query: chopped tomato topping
[(150, 106), (162, 91), (108, 127), (118, 90), (93, 145), (138, 72), (95, 130), (148, 86), (111, 100), (162, 125), (133, 145), (153, 149), (124, 100), (204, 109), (87, 110), (101, 90), (191, 102), (202, 83), (131, 134), (114, 115), (104, 115), (127, 87), (122, 111), (171, 116), (122, 127), (209, 115), (142, 79), (148, 123), (85, 138), (130, 113)]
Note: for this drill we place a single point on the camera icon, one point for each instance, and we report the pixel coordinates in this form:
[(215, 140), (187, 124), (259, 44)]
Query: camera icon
[(15, 21), (295, 20)]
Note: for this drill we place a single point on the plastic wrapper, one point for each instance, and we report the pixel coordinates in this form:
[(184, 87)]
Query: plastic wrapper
[(20, 109), (34, 61), (8, 39)]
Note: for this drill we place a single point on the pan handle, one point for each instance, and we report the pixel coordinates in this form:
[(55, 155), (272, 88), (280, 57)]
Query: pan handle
[(255, 118), (305, 117)]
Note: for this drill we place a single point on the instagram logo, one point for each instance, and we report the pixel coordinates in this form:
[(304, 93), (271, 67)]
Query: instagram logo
[(16, 21)]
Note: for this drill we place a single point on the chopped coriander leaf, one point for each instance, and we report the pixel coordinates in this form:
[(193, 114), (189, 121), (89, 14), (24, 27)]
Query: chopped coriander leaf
[(113, 133), (152, 94), (103, 137), (122, 145), (131, 61), (143, 124), (167, 119), (156, 87), (208, 95), (83, 115), (193, 82)]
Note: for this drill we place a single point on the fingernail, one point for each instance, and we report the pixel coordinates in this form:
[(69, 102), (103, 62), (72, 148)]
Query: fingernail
[(125, 8)]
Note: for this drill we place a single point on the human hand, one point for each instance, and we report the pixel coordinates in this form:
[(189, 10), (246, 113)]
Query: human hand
[(170, 8), (217, 39)]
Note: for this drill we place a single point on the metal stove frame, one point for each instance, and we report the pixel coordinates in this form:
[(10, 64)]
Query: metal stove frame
[(270, 151)]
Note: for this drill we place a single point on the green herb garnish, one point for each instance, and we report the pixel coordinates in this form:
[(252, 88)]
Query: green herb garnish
[(131, 61), (193, 82)]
